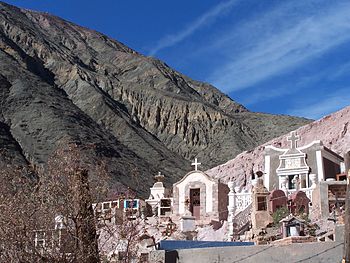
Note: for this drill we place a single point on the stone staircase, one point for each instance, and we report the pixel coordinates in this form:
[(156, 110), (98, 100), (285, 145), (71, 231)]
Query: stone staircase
[(242, 221)]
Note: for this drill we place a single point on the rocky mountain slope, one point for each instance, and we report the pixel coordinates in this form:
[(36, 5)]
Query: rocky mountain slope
[(61, 82), (333, 130)]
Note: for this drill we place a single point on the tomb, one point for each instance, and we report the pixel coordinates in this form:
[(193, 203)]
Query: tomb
[(289, 169), (292, 226), (313, 169), (260, 207), (146, 243), (59, 240), (113, 212), (165, 205), (159, 199), (108, 212), (328, 196), (298, 203), (206, 197), (277, 200), (133, 208), (187, 220)]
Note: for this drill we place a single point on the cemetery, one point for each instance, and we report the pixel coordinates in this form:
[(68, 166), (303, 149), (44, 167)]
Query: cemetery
[(299, 198)]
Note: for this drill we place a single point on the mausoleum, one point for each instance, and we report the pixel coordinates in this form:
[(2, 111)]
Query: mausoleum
[(292, 168), (205, 197)]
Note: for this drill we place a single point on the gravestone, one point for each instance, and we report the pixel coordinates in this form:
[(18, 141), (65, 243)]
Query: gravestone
[(157, 193), (292, 226), (278, 200), (187, 221), (299, 203), (260, 206)]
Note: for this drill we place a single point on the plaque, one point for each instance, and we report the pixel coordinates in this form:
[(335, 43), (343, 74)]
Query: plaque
[(292, 163)]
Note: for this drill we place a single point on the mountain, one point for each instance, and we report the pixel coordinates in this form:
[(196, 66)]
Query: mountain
[(333, 130), (64, 83)]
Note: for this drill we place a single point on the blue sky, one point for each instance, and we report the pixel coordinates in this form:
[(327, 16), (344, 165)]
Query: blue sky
[(283, 57)]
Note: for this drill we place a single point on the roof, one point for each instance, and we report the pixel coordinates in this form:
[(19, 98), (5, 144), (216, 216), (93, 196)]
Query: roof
[(333, 153), (196, 172), (190, 244), (291, 218)]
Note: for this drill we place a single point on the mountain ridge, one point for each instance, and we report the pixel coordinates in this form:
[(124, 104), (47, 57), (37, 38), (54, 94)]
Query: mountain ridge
[(136, 104)]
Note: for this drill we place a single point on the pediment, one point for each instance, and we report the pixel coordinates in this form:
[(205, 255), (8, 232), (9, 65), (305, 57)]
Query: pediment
[(194, 176)]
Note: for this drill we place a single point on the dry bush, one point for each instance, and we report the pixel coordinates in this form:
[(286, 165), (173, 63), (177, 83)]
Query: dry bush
[(122, 237), (18, 216), (31, 200), (30, 204)]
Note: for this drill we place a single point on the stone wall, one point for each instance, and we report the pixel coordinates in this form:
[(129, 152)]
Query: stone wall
[(295, 239), (321, 252), (338, 190), (223, 191), (321, 198)]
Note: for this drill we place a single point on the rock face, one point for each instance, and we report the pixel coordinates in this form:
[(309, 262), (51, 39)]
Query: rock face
[(333, 130), (61, 82)]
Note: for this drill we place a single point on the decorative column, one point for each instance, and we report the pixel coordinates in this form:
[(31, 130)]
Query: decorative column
[(284, 180), (231, 210), (237, 189), (296, 182), (313, 179)]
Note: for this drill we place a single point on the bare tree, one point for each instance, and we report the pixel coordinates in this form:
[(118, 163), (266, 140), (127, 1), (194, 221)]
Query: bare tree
[(17, 216), (67, 194), (121, 239), (30, 204), (46, 215)]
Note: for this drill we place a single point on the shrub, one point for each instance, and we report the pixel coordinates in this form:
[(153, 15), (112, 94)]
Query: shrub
[(279, 214)]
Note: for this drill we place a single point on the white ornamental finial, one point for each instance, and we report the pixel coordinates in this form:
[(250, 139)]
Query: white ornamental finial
[(196, 164)]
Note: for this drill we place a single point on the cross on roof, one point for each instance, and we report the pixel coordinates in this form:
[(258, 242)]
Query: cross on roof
[(293, 138), (195, 164), (159, 177)]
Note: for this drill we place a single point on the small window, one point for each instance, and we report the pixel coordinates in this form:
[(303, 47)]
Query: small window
[(261, 203), (165, 203), (131, 203), (106, 205)]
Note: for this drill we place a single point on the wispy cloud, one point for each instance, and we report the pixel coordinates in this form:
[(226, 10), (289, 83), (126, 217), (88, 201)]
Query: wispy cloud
[(260, 96), (205, 19), (302, 83), (296, 39), (320, 108)]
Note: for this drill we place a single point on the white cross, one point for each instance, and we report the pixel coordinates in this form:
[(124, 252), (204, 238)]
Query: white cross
[(293, 138), (195, 164)]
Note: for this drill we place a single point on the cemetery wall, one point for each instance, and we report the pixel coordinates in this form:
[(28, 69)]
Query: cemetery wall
[(322, 252)]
